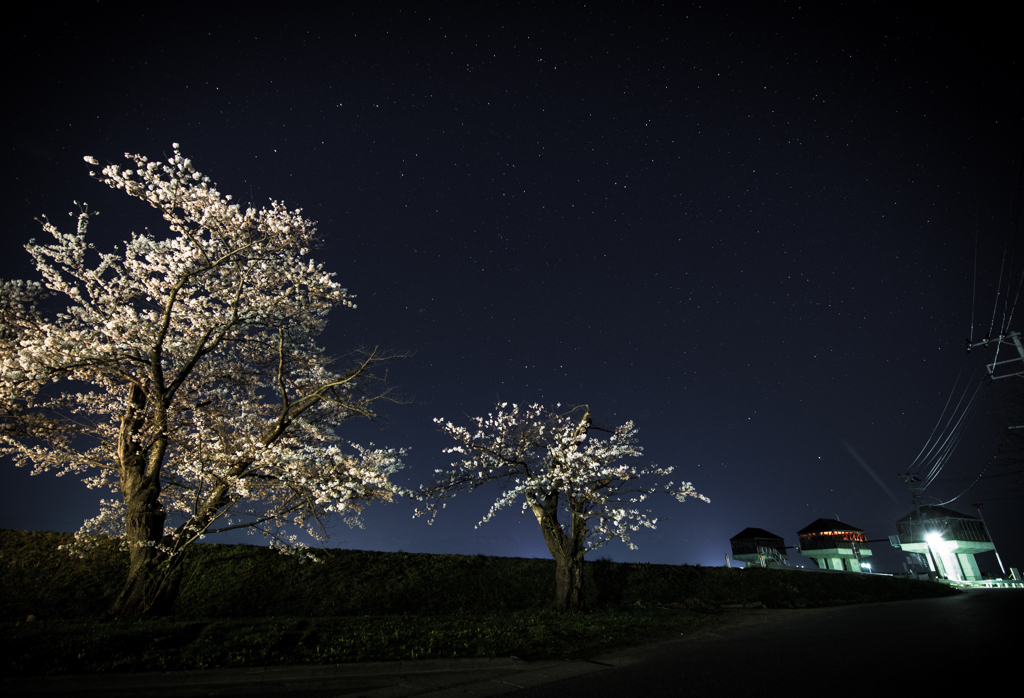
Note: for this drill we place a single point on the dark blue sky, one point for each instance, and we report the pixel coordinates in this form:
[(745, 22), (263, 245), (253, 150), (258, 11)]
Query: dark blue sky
[(750, 228)]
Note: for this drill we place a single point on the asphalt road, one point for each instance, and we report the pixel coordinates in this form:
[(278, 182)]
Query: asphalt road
[(966, 643), (970, 642)]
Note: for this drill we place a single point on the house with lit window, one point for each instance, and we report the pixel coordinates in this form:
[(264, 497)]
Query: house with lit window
[(834, 545)]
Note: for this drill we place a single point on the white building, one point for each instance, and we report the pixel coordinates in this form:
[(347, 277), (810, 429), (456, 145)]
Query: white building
[(948, 539)]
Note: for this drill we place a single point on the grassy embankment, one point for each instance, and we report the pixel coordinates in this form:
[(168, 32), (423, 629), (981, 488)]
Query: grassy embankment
[(249, 606)]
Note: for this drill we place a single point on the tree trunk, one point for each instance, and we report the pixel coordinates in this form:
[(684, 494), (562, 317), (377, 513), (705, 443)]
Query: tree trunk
[(152, 583), (153, 576), (567, 550), (568, 583), (150, 590)]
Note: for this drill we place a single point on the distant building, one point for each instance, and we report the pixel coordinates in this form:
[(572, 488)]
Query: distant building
[(948, 540), (834, 545), (759, 548)]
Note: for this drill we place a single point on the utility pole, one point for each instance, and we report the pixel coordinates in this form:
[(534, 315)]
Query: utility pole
[(1011, 338), (915, 499), (998, 559)]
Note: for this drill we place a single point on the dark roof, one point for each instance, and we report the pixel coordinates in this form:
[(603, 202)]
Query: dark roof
[(822, 525), (754, 533), (930, 511)]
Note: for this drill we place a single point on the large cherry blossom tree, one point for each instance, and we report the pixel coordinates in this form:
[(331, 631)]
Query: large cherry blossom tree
[(183, 377), (583, 491)]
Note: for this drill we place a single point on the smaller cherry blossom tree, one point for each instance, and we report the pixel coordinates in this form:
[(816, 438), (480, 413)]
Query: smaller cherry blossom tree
[(184, 377), (547, 459)]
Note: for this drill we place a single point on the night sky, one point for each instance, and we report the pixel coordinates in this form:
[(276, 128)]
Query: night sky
[(750, 228)]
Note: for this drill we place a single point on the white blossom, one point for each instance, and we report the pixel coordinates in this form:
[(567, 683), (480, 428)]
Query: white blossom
[(189, 359), (549, 461)]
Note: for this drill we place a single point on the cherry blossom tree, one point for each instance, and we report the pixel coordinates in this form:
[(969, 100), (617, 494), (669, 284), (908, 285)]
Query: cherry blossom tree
[(548, 460), (183, 377)]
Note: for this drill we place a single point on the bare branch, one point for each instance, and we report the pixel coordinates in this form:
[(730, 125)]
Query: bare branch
[(190, 363)]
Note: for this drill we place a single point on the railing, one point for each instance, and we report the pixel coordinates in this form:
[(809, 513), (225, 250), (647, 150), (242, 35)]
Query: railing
[(950, 529), (984, 583), (753, 547), (772, 555)]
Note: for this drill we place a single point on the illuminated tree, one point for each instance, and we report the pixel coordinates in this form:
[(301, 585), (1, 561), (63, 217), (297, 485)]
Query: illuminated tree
[(548, 460), (183, 376)]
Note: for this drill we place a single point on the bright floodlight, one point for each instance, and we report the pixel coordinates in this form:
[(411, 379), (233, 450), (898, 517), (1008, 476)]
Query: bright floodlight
[(933, 538)]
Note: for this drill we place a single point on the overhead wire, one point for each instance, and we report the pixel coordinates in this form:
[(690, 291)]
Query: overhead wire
[(1011, 245), (957, 429), (941, 415), (999, 288), (1006, 329), (936, 449), (942, 451), (950, 501), (999, 284), (1015, 205), (949, 430), (977, 200), (974, 283)]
